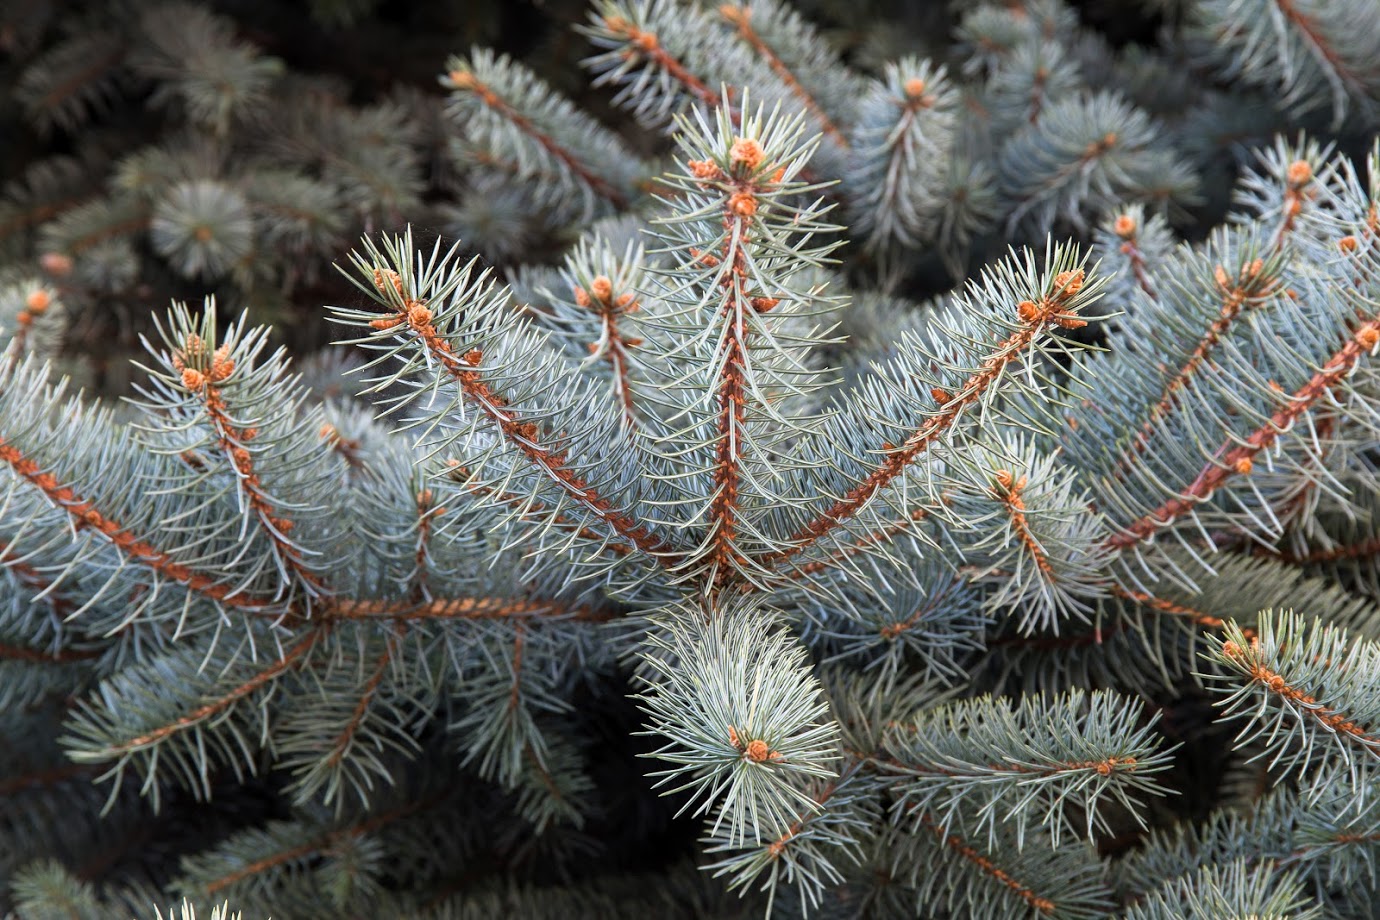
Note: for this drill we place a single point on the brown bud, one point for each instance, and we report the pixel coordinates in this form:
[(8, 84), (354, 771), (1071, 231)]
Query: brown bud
[(744, 204), (418, 315), (37, 301), (1066, 284), (746, 153), (757, 751), (193, 379), (601, 288), (1299, 173), (1125, 226), (704, 169)]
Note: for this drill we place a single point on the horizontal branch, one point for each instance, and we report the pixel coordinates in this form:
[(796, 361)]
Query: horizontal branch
[(1359, 550), (1197, 617), (43, 779), (1329, 719), (40, 656), (318, 845), (290, 659), (85, 514), (460, 608)]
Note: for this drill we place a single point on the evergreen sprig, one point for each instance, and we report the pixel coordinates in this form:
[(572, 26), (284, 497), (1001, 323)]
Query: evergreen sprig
[(917, 606)]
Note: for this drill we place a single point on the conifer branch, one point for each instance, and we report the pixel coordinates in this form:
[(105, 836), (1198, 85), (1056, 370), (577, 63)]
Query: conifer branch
[(462, 79), (85, 514), (1256, 282), (202, 375), (645, 44), (1333, 720), (529, 508), (901, 146), (1250, 658), (466, 371), (1359, 550), (317, 845), (37, 303), (1321, 46), (1251, 289), (1236, 458), (611, 305), (65, 91), (731, 390), (1007, 490), (426, 514), (740, 17), (342, 742), (1136, 251), (1040, 903), (1073, 750), (1128, 229), (460, 608), (1036, 319), (128, 226), (862, 545), (347, 448), (1160, 605), (1298, 188), (49, 656), (290, 659)]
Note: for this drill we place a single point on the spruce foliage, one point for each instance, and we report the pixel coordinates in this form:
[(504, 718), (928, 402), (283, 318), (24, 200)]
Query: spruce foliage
[(699, 571)]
